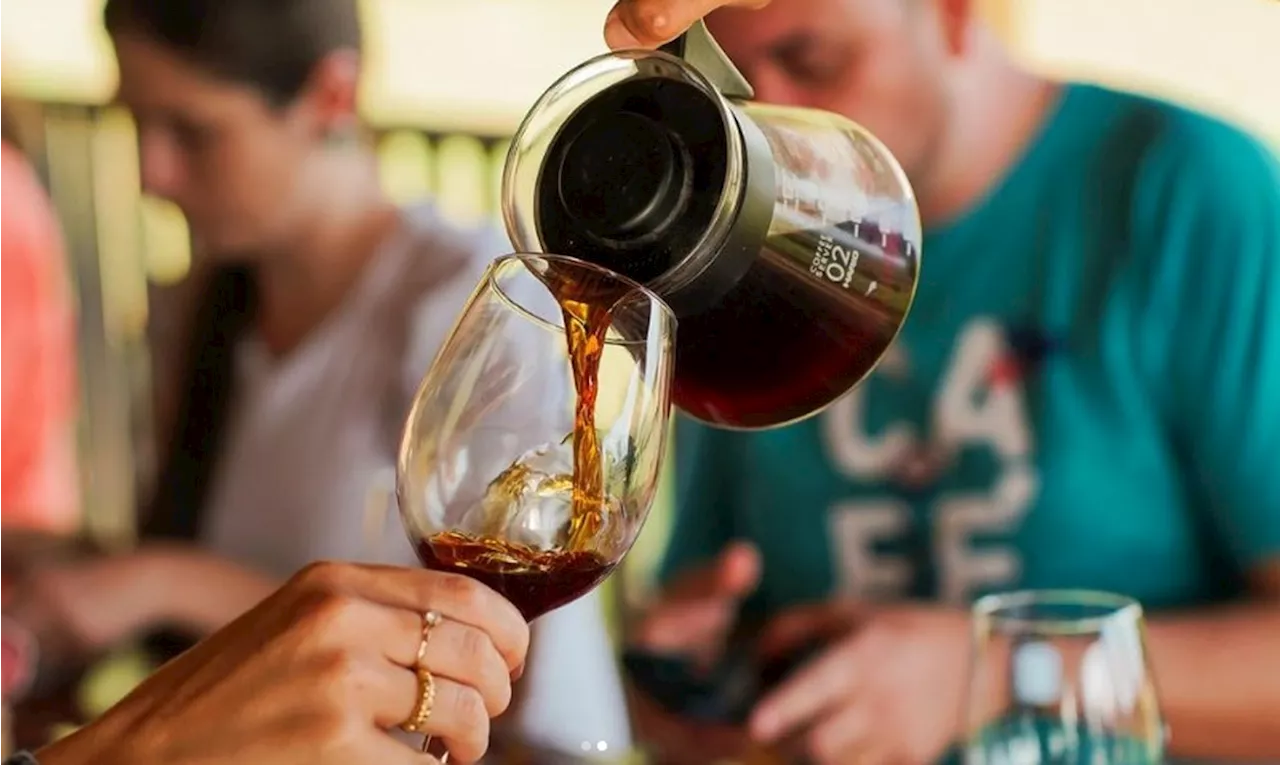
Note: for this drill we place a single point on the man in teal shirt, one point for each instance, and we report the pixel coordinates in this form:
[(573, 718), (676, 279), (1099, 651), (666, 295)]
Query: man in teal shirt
[(1086, 395)]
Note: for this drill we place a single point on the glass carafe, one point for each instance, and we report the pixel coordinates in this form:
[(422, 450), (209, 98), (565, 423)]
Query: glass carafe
[(786, 240)]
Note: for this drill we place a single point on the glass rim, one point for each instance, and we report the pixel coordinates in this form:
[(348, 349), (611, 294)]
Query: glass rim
[(992, 609), (652, 297)]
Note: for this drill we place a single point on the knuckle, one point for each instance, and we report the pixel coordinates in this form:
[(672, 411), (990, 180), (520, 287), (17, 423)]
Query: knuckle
[(324, 575), (339, 670), (474, 648), (500, 698), (470, 708), (464, 594), (325, 612), (514, 647)]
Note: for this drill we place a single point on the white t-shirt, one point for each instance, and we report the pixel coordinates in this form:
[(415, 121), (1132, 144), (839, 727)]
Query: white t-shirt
[(307, 472)]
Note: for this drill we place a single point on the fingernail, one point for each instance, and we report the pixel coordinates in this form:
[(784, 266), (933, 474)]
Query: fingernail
[(616, 34), (518, 673), (660, 26)]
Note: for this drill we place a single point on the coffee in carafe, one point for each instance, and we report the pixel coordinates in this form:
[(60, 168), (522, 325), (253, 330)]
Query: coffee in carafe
[(786, 240)]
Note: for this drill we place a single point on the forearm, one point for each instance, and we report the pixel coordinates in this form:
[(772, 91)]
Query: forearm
[(1218, 681), (203, 592)]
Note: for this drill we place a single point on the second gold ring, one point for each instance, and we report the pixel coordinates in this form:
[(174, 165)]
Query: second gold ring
[(426, 682)]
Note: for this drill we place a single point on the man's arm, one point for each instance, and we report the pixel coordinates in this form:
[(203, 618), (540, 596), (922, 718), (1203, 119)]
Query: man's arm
[(704, 497), (1214, 228), (1218, 676)]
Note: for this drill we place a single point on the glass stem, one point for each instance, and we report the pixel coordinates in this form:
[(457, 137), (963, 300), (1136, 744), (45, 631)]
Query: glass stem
[(426, 745)]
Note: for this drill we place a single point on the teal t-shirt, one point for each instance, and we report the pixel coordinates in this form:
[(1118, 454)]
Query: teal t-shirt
[(1086, 393)]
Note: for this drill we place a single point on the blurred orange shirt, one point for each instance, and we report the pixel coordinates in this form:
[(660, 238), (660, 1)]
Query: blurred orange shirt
[(39, 484)]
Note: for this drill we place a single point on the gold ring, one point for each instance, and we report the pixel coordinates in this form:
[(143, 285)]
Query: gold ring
[(426, 700), (429, 620), (426, 682)]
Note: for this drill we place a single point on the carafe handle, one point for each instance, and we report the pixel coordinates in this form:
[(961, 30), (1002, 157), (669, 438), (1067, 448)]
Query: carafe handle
[(700, 50)]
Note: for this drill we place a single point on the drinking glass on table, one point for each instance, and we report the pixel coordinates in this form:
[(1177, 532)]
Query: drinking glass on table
[(1061, 677), (533, 448)]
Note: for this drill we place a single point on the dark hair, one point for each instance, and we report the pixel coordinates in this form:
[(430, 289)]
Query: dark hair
[(222, 316), (272, 45), (191, 457)]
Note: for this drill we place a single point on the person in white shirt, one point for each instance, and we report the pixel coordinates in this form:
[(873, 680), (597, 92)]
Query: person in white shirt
[(324, 305)]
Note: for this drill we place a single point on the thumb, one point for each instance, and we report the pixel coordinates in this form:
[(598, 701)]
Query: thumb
[(731, 575), (698, 611), (650, 23), (737, 571)]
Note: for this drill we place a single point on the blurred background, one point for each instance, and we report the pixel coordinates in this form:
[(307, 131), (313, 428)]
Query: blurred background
[(442, 107), (445, 135)]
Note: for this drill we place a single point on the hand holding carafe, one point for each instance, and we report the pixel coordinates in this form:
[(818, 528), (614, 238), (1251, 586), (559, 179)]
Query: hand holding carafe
[(650, 23)]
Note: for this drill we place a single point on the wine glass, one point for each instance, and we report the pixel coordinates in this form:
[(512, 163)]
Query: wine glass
[(525, 466), (1061, 677)]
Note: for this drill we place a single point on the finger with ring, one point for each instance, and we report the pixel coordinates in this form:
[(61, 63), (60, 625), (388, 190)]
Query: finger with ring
[(421, 714), (467, 655), (453, 712)]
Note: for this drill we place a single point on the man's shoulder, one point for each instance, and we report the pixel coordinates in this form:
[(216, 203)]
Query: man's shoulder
[(1200, 210), (437, 265), (1177, 153), (439, 248), (434, 261), (1176, 186)]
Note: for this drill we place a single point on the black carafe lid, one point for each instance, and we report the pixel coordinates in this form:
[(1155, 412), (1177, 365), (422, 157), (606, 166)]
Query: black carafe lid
[(634, 177), (661, 179), (643, 166)]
